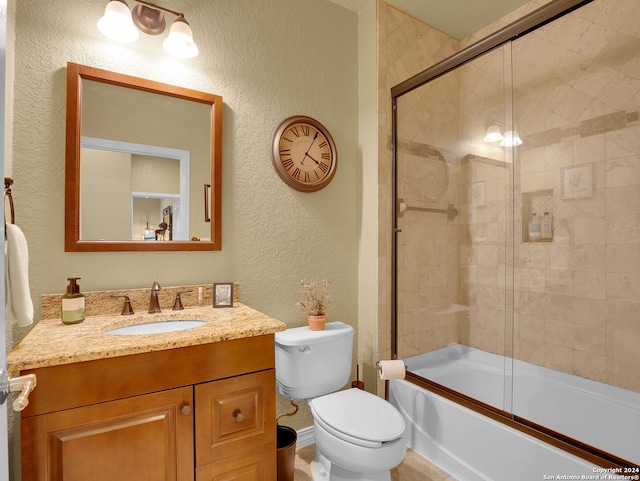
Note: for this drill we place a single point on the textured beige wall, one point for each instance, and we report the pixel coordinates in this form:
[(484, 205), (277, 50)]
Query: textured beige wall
[(268, 62), (106, 175), (368, 262)]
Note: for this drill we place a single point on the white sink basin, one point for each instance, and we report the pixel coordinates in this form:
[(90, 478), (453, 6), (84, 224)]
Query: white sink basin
[(157, 327)]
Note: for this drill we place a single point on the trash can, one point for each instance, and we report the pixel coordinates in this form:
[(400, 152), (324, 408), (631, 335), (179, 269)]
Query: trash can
[(286, 438)]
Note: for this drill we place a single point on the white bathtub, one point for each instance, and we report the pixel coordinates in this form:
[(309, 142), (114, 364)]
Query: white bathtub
[(473, 447)]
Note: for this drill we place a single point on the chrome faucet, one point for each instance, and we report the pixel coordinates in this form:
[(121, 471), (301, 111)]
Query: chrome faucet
[(154, 305)]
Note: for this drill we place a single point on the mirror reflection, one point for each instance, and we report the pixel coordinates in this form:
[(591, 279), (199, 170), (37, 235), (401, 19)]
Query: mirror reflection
[(141, 183), (138, 161)]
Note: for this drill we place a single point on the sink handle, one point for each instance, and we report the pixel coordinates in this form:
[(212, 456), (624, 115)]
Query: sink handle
[(177, 305), (127, 310)]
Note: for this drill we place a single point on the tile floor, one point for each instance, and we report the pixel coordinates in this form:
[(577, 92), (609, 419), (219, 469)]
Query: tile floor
[(414, 467)]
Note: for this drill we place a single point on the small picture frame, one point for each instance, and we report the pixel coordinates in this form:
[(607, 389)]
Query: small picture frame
[(223, 294), (577, 182)]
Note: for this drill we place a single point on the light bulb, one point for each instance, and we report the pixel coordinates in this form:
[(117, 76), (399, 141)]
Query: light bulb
[(493, 134), (180, 40), (116, 23), (511, 138)]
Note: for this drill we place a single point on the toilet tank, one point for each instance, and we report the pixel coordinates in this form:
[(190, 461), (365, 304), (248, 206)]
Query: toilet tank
[(313, 363)]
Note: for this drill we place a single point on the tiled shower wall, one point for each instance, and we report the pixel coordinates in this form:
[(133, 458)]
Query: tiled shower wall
[(576, 300)]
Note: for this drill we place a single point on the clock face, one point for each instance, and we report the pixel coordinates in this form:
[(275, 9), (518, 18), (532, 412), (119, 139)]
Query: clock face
[(304, 154)]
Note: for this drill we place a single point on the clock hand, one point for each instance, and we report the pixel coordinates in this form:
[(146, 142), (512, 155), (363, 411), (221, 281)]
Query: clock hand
[(306, 154)]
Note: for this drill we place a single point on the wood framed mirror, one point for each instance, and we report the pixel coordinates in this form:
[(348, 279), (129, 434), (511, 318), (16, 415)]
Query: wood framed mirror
[(139, 155)]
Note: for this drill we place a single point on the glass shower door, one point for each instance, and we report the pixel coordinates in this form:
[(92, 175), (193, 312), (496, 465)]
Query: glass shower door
[(518, 229), (577, 297), (454, 215)]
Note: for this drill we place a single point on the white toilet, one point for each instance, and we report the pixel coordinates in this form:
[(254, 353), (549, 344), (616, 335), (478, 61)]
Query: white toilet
[(359, 436)]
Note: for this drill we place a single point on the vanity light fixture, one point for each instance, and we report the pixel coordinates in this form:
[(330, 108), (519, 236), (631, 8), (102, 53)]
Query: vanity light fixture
[(120, 24)]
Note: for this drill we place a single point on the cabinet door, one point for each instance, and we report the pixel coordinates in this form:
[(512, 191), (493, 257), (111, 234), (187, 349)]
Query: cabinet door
[(144, 438), (234, 415), (258, 464)]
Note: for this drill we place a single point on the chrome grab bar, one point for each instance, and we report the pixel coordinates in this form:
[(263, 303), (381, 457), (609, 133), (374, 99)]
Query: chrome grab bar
[(451, 211)]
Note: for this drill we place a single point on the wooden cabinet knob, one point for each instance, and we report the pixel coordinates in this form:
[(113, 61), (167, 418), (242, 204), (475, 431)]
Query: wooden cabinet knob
[(186, 409), (238, 415)]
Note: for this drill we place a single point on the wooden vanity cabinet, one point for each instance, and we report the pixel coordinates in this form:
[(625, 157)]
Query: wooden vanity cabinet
[(199, 413)]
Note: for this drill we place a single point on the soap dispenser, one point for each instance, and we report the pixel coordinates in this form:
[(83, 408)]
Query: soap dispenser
[(73, 303)]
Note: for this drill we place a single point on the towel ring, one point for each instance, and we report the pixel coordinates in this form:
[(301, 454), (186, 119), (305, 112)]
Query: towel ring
[(7, 193)]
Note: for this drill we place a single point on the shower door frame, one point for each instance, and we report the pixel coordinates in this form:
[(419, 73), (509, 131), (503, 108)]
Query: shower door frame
[(522, 26)]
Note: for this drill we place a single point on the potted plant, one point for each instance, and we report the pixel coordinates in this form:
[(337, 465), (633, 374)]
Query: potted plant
[(314, 300)]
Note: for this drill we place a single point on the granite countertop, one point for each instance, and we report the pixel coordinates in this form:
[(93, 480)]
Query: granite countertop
[(52, 343)]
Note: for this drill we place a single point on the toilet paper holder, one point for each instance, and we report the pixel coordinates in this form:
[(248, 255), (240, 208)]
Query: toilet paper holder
[(379, 368), (391, 369)]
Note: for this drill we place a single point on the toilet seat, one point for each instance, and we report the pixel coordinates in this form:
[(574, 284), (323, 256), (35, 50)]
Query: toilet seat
[(358, 417)]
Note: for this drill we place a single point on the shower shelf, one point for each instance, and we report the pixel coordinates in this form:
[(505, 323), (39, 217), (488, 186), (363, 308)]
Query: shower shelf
[(538, 201)]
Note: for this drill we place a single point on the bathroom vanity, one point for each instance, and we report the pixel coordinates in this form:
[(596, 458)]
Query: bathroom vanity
[(191, 405)]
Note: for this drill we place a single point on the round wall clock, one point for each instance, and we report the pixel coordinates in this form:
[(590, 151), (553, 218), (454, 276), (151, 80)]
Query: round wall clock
[(304, 153)]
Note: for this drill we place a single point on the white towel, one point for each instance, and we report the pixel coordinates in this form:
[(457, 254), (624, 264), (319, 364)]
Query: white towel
[(19, 303)]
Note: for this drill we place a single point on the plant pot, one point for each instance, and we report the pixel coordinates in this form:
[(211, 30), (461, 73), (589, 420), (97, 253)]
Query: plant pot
[(316, 323)]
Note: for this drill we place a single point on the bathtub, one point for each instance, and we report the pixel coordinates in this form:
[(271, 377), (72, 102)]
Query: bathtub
[(472, 447)]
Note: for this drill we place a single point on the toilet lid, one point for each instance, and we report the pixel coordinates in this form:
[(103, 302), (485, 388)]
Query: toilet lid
[(359, 417)]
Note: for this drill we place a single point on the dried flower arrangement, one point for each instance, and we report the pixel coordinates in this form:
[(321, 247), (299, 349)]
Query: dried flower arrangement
[(314, 297)]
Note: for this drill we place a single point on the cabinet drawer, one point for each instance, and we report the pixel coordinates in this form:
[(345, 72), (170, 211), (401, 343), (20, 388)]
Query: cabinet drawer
[(234, 415), (91, 382), (258, 464)]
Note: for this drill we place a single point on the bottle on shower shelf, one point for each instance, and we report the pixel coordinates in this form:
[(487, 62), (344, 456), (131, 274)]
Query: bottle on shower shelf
[(534, 228), (546, 227)]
